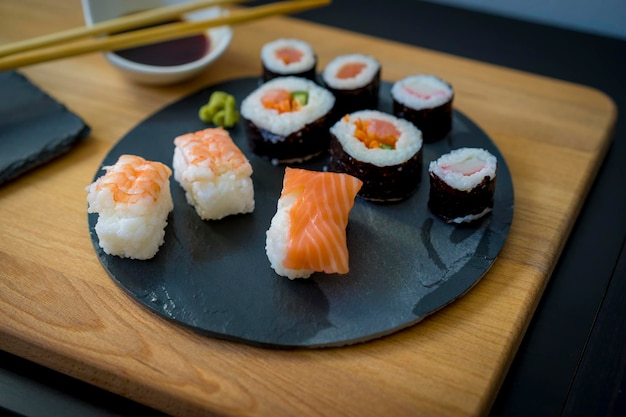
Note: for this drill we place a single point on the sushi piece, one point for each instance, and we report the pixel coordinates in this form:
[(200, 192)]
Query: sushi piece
[(283, 57), (385, 152), (133, 201), (308, 232), (287, 119), (354, 80), (426, 101), (462, 185), (214, 173)]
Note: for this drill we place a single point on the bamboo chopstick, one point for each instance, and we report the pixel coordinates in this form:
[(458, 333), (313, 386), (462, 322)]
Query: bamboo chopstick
[(155, 34), (119, 24)]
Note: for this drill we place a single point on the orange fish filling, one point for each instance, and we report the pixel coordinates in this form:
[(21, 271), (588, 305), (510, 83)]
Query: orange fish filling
[(318, 219), (280, 100), (289, 55), (350, 70), (376, 133)]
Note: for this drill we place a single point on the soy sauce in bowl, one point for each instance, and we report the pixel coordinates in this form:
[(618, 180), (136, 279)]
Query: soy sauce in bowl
[(165, 62), (169, 53)]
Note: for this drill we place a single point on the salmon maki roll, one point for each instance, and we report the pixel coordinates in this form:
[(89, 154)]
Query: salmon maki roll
[(214, 173), (354, 80), (286, 56), (308, 232), (133, 201)]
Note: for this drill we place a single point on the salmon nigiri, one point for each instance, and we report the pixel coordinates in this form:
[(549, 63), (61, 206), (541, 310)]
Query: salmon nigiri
[(308, 232)]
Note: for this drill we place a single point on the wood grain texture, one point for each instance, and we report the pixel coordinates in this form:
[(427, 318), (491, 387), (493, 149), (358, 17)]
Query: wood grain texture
[(59, 308)]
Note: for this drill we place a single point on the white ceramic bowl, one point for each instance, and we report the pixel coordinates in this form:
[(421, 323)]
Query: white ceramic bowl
[(95, 11)]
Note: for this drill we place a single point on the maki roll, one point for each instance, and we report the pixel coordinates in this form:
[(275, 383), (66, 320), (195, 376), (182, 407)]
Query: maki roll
[(214, 173), (383, 151), (426, 101), (284, 57), (462, 185), (133, 201), (287, 119), (308, 232), (354, 80)]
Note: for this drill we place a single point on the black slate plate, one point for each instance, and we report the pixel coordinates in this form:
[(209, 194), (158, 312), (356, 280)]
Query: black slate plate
[(34, 127), (215, 276)]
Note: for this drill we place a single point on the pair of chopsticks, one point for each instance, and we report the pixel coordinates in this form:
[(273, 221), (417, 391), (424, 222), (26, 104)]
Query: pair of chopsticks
[(85, 40)]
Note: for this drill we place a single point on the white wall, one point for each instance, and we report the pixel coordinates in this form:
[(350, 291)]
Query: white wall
[(602, 17)]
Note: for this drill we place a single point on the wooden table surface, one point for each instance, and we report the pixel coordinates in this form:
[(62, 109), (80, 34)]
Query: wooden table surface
[(59, 308)]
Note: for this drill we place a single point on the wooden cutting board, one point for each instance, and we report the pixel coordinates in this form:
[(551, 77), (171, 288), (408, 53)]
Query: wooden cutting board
[(59, 308)]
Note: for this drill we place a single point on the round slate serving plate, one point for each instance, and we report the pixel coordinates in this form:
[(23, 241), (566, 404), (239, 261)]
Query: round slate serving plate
[(215, 278)]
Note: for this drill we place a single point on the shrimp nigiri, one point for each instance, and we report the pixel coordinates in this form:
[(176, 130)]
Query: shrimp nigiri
[(308, 231), (132, 200), (214, 173)]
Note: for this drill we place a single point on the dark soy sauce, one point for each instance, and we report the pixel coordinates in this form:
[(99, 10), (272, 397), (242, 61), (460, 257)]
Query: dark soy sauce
[(168, 53)]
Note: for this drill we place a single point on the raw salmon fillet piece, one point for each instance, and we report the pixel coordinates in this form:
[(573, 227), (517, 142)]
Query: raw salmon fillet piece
[(318, 219)]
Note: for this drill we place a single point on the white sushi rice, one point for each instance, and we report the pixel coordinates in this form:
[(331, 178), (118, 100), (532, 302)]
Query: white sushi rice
[(458, 180), (130, 230), (320, 102), (471, 217), (433, 91), (408, 144), (277, 240), (274, 64), (329, 75), (215, 192)]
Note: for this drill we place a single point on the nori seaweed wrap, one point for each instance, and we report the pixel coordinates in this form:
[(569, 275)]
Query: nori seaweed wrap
[(462, 185), (354, 80), (383, 151), (425, 101), (287, 119), (288, 57)]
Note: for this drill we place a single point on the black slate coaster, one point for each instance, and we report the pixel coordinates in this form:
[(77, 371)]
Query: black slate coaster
[(215, 277), (34, 127)]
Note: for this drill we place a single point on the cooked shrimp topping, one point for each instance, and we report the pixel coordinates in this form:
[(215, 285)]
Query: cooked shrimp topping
[(133, 178), (214, 149)]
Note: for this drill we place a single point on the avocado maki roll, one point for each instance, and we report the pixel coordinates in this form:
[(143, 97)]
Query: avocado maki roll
[(287, 119), (383, 151)]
